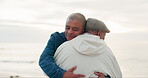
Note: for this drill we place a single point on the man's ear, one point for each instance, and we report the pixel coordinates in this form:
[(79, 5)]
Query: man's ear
[(99, 33), (83, 31), (102, 34)]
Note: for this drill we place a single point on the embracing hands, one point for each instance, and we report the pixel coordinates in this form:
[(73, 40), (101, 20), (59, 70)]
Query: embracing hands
[(69, 74), (100, 75)]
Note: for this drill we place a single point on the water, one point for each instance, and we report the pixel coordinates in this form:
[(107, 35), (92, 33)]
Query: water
[(131, 52), (22, 58)]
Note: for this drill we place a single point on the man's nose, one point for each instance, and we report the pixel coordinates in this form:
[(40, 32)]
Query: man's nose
[(70, 31)]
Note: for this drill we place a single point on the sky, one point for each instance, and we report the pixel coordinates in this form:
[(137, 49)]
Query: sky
[(125, 15), (50, 15), (34, 20)]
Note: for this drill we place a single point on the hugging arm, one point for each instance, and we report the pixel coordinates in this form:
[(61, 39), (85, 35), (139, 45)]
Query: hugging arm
[(46, 61)]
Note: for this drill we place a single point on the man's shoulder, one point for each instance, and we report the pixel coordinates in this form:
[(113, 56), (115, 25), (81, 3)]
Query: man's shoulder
[(59, 36), (58, 33)]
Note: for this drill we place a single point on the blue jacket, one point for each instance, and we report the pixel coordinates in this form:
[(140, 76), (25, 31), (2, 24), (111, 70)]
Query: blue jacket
[(46, 60)]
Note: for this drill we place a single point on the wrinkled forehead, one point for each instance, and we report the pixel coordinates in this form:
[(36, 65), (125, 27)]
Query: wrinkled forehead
[(77, 22)]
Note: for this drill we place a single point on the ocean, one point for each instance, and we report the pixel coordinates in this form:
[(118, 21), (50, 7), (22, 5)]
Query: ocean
[(22, 59)]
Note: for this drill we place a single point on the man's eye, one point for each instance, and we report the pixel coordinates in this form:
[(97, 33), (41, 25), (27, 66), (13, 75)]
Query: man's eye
[(67, 28), (75, 29)]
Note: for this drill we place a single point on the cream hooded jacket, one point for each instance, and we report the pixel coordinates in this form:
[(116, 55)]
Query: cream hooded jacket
[(90, 54)]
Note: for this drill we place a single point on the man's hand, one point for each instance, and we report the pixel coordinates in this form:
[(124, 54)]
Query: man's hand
[(69, 73), (100, 75)]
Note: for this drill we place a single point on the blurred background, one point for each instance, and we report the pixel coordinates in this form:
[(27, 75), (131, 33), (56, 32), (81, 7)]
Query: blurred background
[(26, 25)]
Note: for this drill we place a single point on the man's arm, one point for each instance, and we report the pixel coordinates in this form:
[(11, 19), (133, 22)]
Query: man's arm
[(46, 60)]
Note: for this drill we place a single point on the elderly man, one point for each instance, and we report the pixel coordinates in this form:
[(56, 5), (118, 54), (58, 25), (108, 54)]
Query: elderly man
[(75, 24), (89, 53)]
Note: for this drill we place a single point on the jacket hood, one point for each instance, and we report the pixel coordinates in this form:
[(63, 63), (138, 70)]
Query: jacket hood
[(90, 45)]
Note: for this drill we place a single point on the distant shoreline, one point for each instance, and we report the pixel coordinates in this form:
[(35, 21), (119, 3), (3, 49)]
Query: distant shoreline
[(15, 75), (12, 61)]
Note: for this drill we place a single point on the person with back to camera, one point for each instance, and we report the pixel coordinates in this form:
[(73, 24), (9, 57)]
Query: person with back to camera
[(89, 53)]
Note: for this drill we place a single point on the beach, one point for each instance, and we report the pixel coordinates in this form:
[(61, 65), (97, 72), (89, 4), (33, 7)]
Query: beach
[(20, 60), (20, 71)]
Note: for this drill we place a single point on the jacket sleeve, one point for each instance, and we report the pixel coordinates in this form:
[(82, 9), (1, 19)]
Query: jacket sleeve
[(46, 61)]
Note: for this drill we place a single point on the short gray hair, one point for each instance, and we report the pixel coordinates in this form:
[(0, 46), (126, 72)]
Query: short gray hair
[(77, 16), (94, 24)]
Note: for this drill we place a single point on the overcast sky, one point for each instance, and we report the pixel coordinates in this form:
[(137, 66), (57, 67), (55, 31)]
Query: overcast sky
[(127, 17), (120, 14)]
